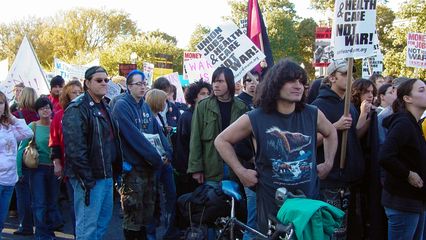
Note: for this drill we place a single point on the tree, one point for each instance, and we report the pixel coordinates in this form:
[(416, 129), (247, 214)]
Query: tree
[(163, 35), (384, 20), (306, 34), (411, 18), (197, 36)]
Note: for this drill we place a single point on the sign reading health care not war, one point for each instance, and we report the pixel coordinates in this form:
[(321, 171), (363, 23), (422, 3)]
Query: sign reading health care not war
[(354, 30), (416, 50), (228, 46)]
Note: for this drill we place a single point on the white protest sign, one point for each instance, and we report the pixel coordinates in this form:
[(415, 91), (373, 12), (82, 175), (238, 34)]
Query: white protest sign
[(69, 71), (155, 140), (148, 70), (174, 79), (227, 45), (187, 56), (354, 29), (4, 68), (198, 69), (25, 69), (374, 63), (113, 90), (243, 25), (416, 50)]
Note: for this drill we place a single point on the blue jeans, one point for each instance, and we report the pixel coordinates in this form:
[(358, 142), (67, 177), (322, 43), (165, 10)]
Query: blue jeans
[(166, 178), (44, 187), (405, 225), (251, 213), (5, 196), (92, 221), (23, 202)]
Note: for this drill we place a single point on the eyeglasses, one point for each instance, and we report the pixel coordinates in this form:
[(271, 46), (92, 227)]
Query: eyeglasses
[(106, 80), (144, 83), (45, 108)]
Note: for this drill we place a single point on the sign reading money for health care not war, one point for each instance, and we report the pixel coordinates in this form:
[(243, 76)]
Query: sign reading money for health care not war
[(354, 29), (416, 50), (228, 46)]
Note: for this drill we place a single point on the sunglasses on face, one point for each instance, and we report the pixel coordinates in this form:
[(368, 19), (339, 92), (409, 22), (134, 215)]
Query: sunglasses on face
[(106, 80)]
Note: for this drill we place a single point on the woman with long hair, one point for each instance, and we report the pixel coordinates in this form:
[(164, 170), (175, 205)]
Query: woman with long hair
[(70, 91), (12, 130), (44, 185), (26, 110), (403, 156)]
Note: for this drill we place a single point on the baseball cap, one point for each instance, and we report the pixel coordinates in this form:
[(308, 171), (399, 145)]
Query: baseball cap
[(340, 65), (92, 70)]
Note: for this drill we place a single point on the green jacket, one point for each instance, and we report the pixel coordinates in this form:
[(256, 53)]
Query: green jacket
[(206, 125), (312, 219)]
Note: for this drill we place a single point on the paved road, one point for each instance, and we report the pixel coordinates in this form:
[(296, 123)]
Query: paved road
[(115, 231)]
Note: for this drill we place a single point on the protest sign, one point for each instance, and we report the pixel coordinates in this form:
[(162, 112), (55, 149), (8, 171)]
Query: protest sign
[(113, 90), (416, 50), (125, 68), (323, 53), (69, 71), (372, 65), (187, 56), (174, 79), (198, 69), (243, 25), (163, 65), (227, 45), (354, 29), (25, 69), (148, 70), (155, 140)]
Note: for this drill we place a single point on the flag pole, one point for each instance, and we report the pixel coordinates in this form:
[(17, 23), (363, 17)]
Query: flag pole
[(346, 114)]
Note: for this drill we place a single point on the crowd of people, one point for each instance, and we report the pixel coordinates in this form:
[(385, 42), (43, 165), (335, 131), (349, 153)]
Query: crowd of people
[(275, 130)]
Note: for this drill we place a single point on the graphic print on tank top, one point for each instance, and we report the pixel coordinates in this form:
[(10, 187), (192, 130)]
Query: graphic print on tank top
[(290, 156)]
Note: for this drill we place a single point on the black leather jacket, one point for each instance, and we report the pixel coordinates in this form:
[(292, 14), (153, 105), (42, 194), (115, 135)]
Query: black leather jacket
[(88, 154)]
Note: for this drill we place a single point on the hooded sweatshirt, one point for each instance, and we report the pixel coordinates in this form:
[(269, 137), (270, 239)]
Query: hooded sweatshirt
[(333, 108), (404, 150), (135, 120)]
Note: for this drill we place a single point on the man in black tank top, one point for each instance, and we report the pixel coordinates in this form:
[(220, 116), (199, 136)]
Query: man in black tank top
[(284, 129)]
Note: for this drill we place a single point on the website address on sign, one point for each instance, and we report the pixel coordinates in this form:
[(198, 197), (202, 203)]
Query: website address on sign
[(352, 50)]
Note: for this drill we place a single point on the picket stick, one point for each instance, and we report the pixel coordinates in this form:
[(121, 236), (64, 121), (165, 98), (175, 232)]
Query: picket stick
[(346, 113)]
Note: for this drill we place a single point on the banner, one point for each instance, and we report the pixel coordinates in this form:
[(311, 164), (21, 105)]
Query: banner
[(416, 50), (163, 65), (124, 68), (187, 56), (243, 25), (174, 79), (323, 51), (25, 69), (69, 71), (226, 45), (113, 90), (373, 64), (256, 31), (354, 29), (148, 70), (198, 69), (4, 67)]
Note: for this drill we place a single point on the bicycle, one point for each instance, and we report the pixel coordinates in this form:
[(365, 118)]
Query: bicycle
[(276, 229)]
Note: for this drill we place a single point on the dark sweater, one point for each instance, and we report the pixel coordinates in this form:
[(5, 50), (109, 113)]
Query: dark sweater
[(404, 150), (333, 107)]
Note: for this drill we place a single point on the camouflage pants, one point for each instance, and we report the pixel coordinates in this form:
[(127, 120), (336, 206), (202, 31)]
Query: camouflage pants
[(338, 197), (138, 194)]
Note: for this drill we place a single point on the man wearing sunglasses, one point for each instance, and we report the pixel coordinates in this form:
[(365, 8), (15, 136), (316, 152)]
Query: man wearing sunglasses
[(137, 123), (92, 147)]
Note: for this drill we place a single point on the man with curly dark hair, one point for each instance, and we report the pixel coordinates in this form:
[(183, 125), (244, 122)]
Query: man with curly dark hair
[(285, 130)]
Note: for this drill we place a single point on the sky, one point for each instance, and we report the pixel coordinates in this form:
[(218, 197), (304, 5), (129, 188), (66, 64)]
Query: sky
[(177, 18)]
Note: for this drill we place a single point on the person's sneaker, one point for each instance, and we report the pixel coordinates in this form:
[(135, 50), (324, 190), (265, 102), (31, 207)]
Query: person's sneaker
[(23, 233)]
